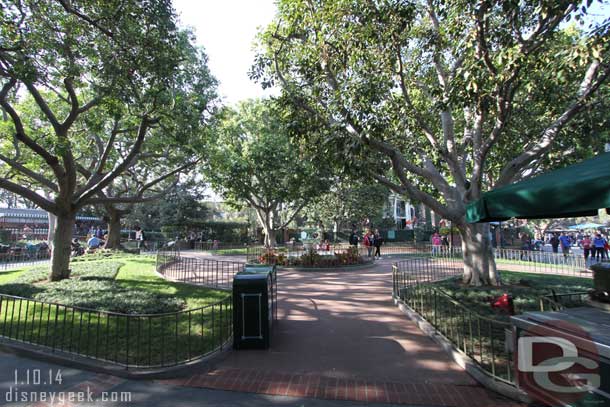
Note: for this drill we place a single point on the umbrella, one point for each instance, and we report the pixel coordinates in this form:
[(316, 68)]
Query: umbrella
[(586, 226), (577, 190)]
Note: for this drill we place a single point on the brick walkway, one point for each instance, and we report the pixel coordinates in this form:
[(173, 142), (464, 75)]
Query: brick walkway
[(340, 337)]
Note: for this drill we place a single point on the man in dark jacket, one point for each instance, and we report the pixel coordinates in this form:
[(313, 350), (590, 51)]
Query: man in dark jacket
[(353, 238), (555, 243)]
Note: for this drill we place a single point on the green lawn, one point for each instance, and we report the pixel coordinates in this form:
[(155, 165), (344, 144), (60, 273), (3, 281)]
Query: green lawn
[(464, 314), (230, 252), (150, 340), (7, 276), (526, 289), (137, 274)]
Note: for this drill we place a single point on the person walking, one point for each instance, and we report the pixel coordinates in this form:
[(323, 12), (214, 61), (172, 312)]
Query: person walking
[(377, 242), (353, 238), (599, 244), (586, 247), (554, 243), (566, 243), (436, 244), (140, 238), (368, 242)]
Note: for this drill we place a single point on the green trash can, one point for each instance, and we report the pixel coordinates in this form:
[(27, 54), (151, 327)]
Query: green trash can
[(264, 268), (254, 307)]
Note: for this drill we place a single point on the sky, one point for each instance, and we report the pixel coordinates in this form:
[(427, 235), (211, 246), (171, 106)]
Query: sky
[(226, 29)]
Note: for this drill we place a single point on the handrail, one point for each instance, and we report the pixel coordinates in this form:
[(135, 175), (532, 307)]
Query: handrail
[(140, 341), (484, 339)]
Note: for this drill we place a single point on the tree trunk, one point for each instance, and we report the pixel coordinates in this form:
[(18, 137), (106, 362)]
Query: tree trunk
[(477, 249), (269, 235), (60, 256), (114, 229), (51, 231), (266, 221)]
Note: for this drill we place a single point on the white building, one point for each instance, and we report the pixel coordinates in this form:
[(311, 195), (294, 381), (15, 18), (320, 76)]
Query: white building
[(406, 215)]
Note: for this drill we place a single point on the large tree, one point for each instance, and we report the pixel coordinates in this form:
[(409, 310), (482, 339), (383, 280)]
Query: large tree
[(256, 161), (101, 77), (348, 202), (181, 207), (454, 97)]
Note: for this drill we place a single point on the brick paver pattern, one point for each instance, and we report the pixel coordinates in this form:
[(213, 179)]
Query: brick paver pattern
[(340, 337)]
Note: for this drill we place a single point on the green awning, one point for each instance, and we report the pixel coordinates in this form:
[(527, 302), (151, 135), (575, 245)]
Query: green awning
[(577, 190)]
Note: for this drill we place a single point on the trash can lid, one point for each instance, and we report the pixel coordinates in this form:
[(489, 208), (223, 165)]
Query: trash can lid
[(258, 268), (250, 276)]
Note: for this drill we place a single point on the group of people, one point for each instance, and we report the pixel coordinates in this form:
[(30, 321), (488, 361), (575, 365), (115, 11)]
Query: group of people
[(97, 239), (371, 240), (596, 246)]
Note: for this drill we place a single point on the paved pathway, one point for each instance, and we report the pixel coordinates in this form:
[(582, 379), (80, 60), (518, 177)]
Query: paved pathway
[(339, 336)]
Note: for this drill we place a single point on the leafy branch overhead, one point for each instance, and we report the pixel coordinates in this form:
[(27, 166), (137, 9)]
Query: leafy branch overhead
[(451, 98), (103, 102), (256, 161)]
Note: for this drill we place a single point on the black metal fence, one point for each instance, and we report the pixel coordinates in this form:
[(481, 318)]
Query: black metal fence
[(133, 341), (220, 247), (210, 273), (488, 342), (558, 302), (19, 257)]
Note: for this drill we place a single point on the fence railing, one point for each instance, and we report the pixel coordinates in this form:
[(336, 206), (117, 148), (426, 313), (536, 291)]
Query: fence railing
[(132, 341), (22, 257), (540, 262), (210, 273), (558, 302), (238, 248), (519, 260), (147, 246), (128, 340), (485, 340)]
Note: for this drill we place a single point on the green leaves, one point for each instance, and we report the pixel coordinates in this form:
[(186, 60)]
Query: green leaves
[(255, 160)]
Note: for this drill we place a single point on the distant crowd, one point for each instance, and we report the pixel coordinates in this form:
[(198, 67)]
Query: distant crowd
[(372, 240), (595, 245)]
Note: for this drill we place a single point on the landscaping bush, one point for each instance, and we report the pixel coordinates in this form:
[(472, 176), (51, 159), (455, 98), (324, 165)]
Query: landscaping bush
[(103, 270), (91, 285), (107, 295), (5, 236), (526, 290), (311, 258)]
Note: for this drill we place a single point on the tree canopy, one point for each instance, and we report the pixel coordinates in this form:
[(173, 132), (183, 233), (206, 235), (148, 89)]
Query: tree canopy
[(447, 98), (254, 160), (94, 92)]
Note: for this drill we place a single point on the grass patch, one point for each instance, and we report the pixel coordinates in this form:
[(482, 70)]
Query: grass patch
[(7, 276), (230, 252), (526, 289), (138, 274), (154, 340)]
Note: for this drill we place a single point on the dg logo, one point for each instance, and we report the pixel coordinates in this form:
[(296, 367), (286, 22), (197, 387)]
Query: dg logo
[(558, 364)]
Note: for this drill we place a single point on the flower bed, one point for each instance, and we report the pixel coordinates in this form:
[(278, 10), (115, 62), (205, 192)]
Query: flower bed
[(312, 258)]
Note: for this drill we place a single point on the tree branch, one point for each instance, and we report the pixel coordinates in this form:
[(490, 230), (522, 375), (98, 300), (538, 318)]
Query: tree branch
[(596, 75), (27, 193), (29, 173), (125, 163)]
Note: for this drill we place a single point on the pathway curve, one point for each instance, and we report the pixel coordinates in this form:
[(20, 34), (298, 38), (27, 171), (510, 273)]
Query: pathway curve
[(339, 336)]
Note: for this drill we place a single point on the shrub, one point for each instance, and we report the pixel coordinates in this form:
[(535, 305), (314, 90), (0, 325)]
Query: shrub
[(107, 295), (104, 270)]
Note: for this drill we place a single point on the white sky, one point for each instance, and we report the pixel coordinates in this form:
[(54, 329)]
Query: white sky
[(226, 29)]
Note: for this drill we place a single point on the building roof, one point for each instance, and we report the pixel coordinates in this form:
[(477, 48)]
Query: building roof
[(33, 214)]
